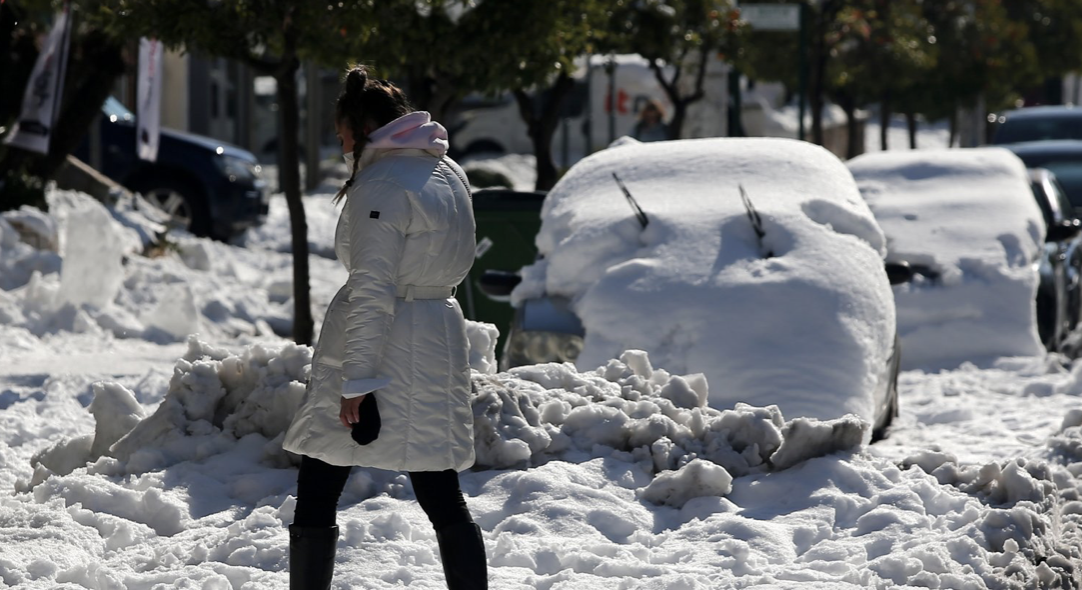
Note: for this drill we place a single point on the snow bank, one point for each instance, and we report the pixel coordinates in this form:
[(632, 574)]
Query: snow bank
[(970, 219), (803, 320), (528, 417), (596, 517), (115, 277), (544, 412)]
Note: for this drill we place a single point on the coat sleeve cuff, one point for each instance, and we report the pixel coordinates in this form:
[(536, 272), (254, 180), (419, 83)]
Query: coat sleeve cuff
[(352, 388)]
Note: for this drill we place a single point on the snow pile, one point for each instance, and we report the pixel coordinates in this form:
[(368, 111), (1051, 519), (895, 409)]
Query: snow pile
[(546, 412), (101, 285), (803, 318), (598, 517), (531, 416), (969, 220), (214, 399), (1024, 521)]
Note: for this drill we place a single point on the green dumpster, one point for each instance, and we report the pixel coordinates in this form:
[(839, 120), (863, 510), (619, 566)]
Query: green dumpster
[(507, 223)]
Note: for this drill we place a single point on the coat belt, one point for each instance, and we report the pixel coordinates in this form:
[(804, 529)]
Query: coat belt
[(411, 292)]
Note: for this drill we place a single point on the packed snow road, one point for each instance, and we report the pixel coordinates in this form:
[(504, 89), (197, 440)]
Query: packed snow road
[(154, 461)]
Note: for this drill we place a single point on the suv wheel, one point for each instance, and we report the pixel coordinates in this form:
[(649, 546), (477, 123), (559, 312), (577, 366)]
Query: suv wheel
[(185, 206)]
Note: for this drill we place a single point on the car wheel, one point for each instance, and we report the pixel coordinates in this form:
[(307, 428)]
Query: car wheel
[(879, 432), (187, 209)]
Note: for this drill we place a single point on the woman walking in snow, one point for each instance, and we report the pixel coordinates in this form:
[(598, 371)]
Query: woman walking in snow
[(389, 386)]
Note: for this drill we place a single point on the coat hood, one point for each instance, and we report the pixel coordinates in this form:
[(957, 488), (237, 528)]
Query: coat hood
[(415, 130)]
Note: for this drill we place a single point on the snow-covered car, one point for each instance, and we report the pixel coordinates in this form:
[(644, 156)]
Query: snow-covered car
[(752, 261), (967, 224)]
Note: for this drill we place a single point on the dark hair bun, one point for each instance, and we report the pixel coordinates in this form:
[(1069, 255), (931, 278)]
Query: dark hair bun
[(356, 79)]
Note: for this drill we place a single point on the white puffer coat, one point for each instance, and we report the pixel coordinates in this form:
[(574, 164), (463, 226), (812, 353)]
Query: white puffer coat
[(406, 235)]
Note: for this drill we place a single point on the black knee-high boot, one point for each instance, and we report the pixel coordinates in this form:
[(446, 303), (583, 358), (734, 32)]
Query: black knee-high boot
[(311, 557), (462, 550)]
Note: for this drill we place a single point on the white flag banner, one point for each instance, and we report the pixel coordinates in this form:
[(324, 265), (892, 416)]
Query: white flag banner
[(150, 99), (41, 99)]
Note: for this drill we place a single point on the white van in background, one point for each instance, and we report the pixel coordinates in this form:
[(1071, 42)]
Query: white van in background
[(494, 125)]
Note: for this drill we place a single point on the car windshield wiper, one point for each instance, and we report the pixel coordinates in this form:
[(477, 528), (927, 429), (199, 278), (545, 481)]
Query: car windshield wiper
[(639, 213), (756, 221)]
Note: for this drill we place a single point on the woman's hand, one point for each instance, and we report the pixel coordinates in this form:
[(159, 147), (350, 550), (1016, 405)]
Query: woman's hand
[(349, 414)]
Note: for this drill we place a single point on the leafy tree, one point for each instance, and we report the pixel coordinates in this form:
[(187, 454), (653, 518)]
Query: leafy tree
[(882, 49), (419, 42), (271, 37), (982, 53), (95, 62), (529, 47), (681, 34), (1055, 33)]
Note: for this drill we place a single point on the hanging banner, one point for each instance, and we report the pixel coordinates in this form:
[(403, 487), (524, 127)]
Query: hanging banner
[(148, 131), (41, 99)]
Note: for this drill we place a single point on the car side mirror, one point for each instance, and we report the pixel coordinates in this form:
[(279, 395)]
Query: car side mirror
[(499, 283), (899, 272), (1064, 231)]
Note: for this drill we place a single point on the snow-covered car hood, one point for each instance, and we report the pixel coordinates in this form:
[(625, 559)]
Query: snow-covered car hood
[(808, 328), (969, 216)]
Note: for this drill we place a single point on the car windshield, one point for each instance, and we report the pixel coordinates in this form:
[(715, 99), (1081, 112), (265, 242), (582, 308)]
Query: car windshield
[(116, 111), (1069, 175), (1022, 129)]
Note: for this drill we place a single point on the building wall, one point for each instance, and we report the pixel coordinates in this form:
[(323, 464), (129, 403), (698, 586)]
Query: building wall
[(175, 91)]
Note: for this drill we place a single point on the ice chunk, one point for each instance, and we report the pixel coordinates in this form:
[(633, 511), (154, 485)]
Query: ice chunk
[(806, 438), (482, 338), (92, 249), (696, 479), (116, 412)]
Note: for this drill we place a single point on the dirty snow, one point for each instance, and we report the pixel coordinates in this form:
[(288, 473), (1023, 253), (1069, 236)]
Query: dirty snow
[(153, 462)]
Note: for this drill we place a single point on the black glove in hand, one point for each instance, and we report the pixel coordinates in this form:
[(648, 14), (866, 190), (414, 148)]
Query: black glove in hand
[(366, 429)]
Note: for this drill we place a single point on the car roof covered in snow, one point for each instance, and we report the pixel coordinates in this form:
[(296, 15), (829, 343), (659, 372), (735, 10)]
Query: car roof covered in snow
[(700, 292), (940, 208)]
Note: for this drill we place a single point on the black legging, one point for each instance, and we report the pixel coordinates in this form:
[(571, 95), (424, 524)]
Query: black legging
[(320, 484)]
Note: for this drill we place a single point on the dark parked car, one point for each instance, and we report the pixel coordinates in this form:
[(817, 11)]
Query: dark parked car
[(1059, 295), (208, 187), (1063, 158), (1038, 124)]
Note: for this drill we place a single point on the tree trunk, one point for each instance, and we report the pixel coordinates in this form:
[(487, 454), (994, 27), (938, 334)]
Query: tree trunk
[(680, 104), (291, 186), (852, 127), (884, 121), (542, 128), (911, 125), (953, 127), (817, 77)]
